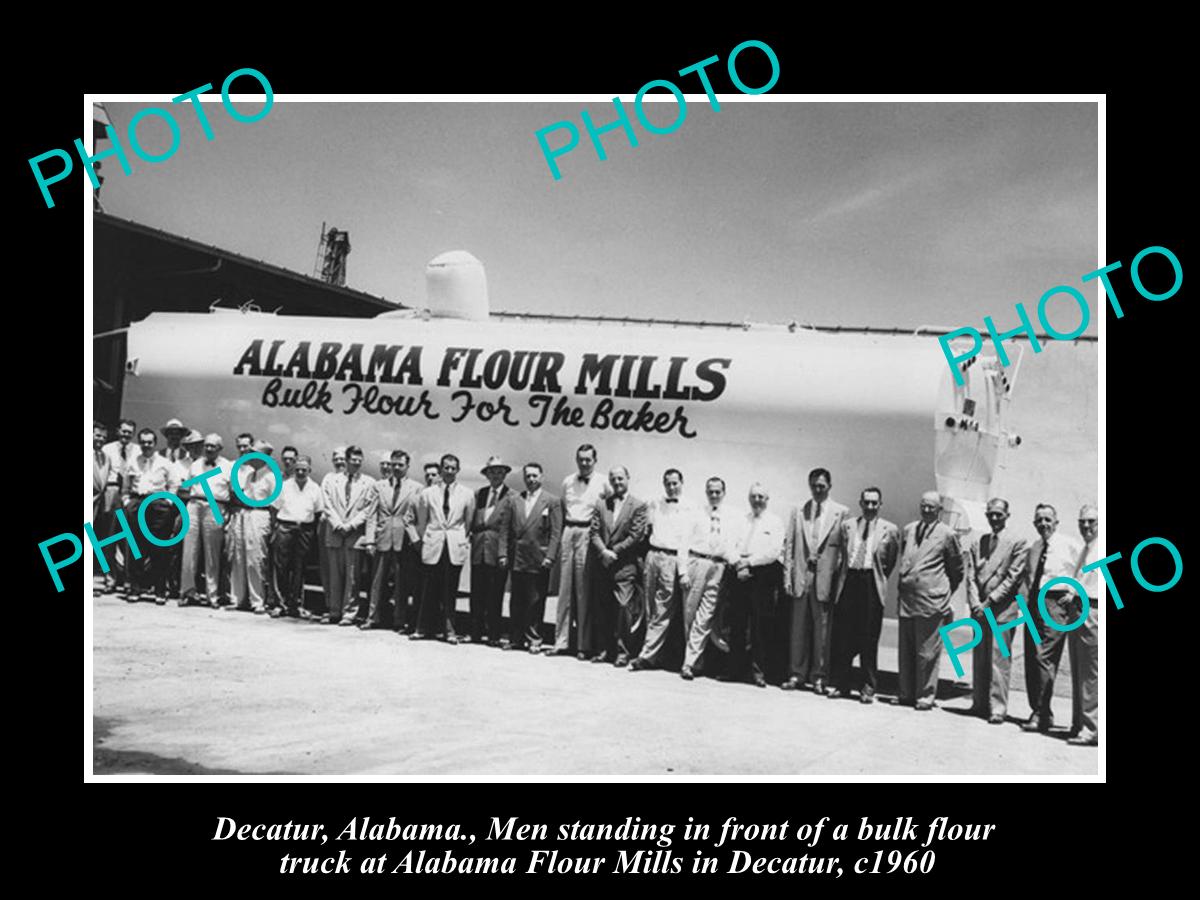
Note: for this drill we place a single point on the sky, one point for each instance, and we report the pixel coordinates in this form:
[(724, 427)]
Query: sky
[(888, 215)]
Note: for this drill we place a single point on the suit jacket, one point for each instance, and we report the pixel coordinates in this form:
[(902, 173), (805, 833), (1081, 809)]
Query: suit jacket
[(438, 530), (485, 529), (530, 540), (624, 535), (929, 573), (994, 582), (799, 549), (883, 560), (353, 513), (395, 521)]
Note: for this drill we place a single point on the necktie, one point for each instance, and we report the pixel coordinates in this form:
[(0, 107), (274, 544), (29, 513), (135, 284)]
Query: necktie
[(1041, 567), (989, 541), (395, 491), (491, 498), (714, 523), (922, 530), (446, 501), (672, 499), (860, 554), (347, 488)]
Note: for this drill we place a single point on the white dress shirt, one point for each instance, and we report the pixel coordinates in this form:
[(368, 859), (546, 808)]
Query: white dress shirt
[(531, 501), (218, 484), (1062, 561), (712, 529), (580, 498), (760, 539)]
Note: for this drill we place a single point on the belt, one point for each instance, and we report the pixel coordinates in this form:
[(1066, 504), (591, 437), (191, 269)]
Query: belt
[(284, 523), (577, 523), (664, 550), (862, 571), (708, 556)]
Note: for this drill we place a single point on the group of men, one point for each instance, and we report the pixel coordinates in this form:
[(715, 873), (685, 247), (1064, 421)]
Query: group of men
[(391, 551)]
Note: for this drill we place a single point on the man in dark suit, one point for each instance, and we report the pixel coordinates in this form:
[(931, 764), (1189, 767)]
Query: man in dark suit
[(931, 569), (870, 547), (996, 566), (487, 577), (394, 535), (530, 531), (617, 536), (810, 572)]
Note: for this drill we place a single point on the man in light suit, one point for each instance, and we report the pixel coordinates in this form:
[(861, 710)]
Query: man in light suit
[(394, 530), (617, 535), (530, 534), (444, 513), (810, 577), (870, 547), (351, 503), (931, 569), (996, 567), (487, 577)]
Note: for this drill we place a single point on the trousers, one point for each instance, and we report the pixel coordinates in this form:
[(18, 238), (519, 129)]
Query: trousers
[(700, 605), (920, 656), (487, 600), (752, 615), (343, 598), (857, 623), (440, 599), (204, 543), (1083, 647), (620, 611), (527, 608), (991, 670), (248, 576), (810, 635), (290, 542), (574, 591), (150, 572), (1065, 609), (662, 600), (394, 568)]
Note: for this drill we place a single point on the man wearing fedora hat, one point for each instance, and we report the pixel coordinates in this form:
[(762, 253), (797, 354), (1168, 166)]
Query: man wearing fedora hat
[(180, 457), (487, 577), (248, 534)]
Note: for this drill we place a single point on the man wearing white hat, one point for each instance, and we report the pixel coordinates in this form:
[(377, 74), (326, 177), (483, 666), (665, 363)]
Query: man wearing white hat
[(248, 533), (206, 534), (487, 577)]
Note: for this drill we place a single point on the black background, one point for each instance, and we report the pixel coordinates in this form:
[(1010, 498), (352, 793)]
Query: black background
[(143, 835)]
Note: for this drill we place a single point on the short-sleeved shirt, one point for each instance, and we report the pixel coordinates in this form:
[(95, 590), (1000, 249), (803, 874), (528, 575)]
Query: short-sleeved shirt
[(299, 505), (218, 484), (257, 484), (119, 455), (149, 476)]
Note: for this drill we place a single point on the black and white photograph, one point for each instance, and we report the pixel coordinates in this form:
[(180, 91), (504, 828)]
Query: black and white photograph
[(548, 437)]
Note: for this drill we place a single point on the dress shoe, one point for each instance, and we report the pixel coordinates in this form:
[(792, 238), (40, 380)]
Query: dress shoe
[(453, 639), (835, 693), (345, 623), (581, 656), (600, 658), (924, 705), (621, 661), (792, 684), (1084, 739), (867, 696), (687, 674), (1037, 723), (819, 686), (759, 681), (160, 601), (996, 719), (551, 651), (416, 636), (638, 664)]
